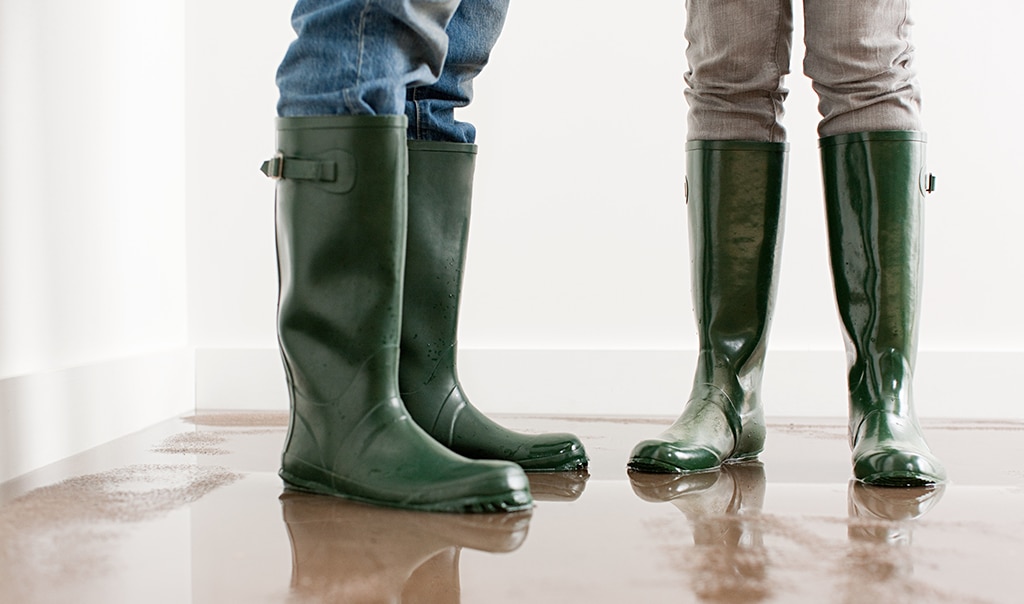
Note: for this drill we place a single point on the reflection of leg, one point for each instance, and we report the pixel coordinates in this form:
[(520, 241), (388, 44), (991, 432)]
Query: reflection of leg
[(558, 486), (883, 515), (732, 492), (724, 510), (735, 206), (348, 552), (440, 193), (874, 190), (880, 563), (437, 580)]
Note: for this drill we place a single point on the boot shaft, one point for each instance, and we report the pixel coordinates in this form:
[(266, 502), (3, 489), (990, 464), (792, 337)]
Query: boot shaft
[(735, 202), (735, 199), (440, 199), (341, 211), (875, 184)]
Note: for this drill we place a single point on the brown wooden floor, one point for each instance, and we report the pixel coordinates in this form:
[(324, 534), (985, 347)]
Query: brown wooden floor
[(192, 511)]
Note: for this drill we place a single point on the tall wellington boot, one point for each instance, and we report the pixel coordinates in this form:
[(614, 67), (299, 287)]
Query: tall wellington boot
[(440, 192), (735, 203), (341, 219), (875, 184)]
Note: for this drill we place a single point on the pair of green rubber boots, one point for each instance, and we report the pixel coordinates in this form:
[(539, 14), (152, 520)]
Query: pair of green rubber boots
[(875, 184), (371, 241)]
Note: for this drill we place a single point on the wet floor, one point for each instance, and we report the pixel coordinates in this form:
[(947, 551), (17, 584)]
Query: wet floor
[(191, 510)]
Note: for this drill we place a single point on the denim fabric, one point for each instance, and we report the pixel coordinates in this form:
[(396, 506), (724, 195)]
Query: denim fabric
[(389, 57), (859, 58)]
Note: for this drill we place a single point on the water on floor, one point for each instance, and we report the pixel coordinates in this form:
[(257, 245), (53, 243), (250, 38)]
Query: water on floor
[(191, 510)]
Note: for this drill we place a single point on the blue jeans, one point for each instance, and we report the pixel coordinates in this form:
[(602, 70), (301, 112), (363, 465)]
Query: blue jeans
[(389, 57)]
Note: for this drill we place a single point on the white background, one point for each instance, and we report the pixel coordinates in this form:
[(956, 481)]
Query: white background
[(133, 219)]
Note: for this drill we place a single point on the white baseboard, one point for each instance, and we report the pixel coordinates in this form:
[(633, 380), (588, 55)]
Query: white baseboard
[(638, 382), (46, 417)]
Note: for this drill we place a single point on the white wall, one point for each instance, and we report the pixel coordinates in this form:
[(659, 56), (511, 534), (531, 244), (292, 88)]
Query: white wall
[(91, 182), (232, 48), (92, 224)]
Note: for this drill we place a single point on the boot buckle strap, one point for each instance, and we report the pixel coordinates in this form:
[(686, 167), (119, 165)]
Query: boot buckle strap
[(334, 170), (279, 167)]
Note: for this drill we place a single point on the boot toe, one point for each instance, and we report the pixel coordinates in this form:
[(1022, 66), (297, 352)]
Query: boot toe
[(892, 467), (492, 487), (657, 456), (555, 452)]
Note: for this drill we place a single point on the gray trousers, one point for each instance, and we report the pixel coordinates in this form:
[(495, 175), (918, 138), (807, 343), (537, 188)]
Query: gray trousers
[(859, 58)]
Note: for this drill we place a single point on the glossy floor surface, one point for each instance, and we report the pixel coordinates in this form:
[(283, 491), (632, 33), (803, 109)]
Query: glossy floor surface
[(192, 511)]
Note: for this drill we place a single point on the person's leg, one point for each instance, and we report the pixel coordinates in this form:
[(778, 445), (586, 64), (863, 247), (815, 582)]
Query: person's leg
[(441, 168), (738, 54), (358, 57), (472, 33), (736, 179), (341, 207), (873, 165), (860, 59), (341, 214)]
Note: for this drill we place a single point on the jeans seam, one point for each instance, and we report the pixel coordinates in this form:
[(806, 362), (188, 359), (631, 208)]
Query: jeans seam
[(359, 54)]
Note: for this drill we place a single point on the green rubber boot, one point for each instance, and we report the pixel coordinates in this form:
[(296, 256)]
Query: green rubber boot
[(341, 218), (875, 184), (440, 192), (735, 203)]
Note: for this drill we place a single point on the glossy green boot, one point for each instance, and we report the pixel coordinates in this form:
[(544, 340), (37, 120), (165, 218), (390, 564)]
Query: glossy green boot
[(341, 219), (735, 203), (875, 184), (440, 192)]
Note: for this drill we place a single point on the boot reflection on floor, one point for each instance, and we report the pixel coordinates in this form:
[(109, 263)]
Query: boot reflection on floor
[(558, 486), (880, 532), (729, 561), (344, 551)]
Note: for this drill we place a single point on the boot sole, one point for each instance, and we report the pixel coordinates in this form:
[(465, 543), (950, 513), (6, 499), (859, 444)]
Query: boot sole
[(654, 466), (577, 460), (510, 501)]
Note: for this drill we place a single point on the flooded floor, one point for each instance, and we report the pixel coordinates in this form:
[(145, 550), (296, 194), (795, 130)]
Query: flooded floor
[(192, 510)]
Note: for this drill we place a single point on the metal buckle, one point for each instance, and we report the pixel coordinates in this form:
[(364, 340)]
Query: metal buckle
[(274, 167)]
